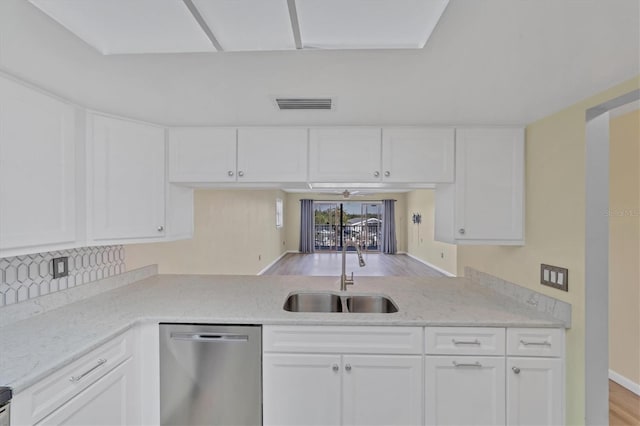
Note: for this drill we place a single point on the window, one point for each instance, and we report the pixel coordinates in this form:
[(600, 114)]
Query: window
[(279, 213)]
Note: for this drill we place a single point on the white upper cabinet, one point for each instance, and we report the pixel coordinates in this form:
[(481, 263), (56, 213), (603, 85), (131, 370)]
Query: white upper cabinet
[(37, 171), (202, 154), (417, 155), (272, 154), (486, 203), (349, 154), (126, 179)]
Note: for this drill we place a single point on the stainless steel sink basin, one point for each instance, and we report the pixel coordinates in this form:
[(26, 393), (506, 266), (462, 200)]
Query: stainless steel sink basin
[(371, 304), (335, 302), (313, 302)]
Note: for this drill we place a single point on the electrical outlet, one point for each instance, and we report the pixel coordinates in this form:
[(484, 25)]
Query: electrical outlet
[(554, 276), (441, 255), (60, 266)]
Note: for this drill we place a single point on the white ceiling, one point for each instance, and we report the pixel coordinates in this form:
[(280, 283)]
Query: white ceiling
[(487, 62), (178, 26), (151, 26)]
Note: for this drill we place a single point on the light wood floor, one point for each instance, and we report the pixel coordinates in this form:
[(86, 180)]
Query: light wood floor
[(624, 406), (378, 264)]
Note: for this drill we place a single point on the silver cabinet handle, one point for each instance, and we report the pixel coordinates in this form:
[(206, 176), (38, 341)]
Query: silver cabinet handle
[(347, 367), (516, 370), (461, 231), (160, 228), (525, 343), (335, 367), (376, 173), (210, 337), (240, 173), (387, 173), (76, 379), (230, 173), (466, 342), (474, 364)]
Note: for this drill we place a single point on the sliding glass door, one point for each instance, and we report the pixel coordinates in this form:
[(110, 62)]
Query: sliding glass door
[(337, 223)]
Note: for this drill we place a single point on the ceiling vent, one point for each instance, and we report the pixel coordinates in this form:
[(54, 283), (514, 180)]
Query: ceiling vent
[(304, 103)]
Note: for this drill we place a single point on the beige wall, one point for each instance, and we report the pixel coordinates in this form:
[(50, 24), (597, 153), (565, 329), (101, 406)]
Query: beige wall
[(420, 238), (624, 246), (555, 226), (292, 215), (235, 233)]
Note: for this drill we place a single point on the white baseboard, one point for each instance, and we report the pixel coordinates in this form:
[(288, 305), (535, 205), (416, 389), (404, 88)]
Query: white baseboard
[(273, 263), (430, 265), (624, 382)]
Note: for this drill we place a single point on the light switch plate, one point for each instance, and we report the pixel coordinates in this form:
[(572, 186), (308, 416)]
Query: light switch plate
[(60, 267), (554, 276)]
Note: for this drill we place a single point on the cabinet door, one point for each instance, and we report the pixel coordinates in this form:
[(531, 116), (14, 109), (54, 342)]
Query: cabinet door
[(465, 390), (344, 154), (110, 401), (301, 389), (535, 391), (417, 155), (272, 154), (202, 154), (127, 185), (489, 192), (37, 169), (382, 390)]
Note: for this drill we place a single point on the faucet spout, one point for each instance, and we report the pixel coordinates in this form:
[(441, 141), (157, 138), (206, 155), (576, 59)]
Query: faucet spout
[(344, 281)]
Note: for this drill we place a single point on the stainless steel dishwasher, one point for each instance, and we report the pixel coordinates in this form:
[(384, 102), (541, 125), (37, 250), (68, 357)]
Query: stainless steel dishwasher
[(210, 375)]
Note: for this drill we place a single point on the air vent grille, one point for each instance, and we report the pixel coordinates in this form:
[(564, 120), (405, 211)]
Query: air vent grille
[(303, 103)]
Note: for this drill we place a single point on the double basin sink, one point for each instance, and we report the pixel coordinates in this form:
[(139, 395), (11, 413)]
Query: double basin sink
[(339, 302)]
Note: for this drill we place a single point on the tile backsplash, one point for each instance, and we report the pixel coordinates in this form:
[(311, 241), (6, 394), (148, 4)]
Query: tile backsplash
[(30, 276)]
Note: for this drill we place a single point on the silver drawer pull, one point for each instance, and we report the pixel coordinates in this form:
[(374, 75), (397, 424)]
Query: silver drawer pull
[(475, 364), (76, 379), (209, 337), (466, 342), (525, 343)]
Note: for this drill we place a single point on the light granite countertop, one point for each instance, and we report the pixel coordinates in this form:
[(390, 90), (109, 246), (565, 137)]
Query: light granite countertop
[(35, 347)]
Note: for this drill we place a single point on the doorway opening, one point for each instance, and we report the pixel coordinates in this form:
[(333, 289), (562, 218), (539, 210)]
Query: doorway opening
[(336, 223)]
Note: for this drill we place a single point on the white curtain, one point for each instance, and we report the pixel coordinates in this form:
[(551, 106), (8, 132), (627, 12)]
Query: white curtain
[(306, 226), (389, 243)]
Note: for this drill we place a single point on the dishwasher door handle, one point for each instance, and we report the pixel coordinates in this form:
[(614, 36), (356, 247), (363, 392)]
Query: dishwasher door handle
[(210, 337)]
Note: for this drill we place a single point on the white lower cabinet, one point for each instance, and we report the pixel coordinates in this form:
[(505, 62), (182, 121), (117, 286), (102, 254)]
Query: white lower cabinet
[(381, 390), (102, 387), (535, 391), (109, 401), (301, 389), (535, 376), (464, 390), (330, 386)]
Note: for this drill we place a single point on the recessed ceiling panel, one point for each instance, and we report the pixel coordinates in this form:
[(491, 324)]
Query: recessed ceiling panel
[(248, 24), (130, 26), (368, 24)]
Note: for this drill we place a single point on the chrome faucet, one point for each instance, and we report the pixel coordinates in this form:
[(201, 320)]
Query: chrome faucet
[(344, 281)]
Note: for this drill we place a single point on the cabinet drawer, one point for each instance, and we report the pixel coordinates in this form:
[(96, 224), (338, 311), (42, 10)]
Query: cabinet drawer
[(547, 342), (52, 392), (321, 339), (464, 341)]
